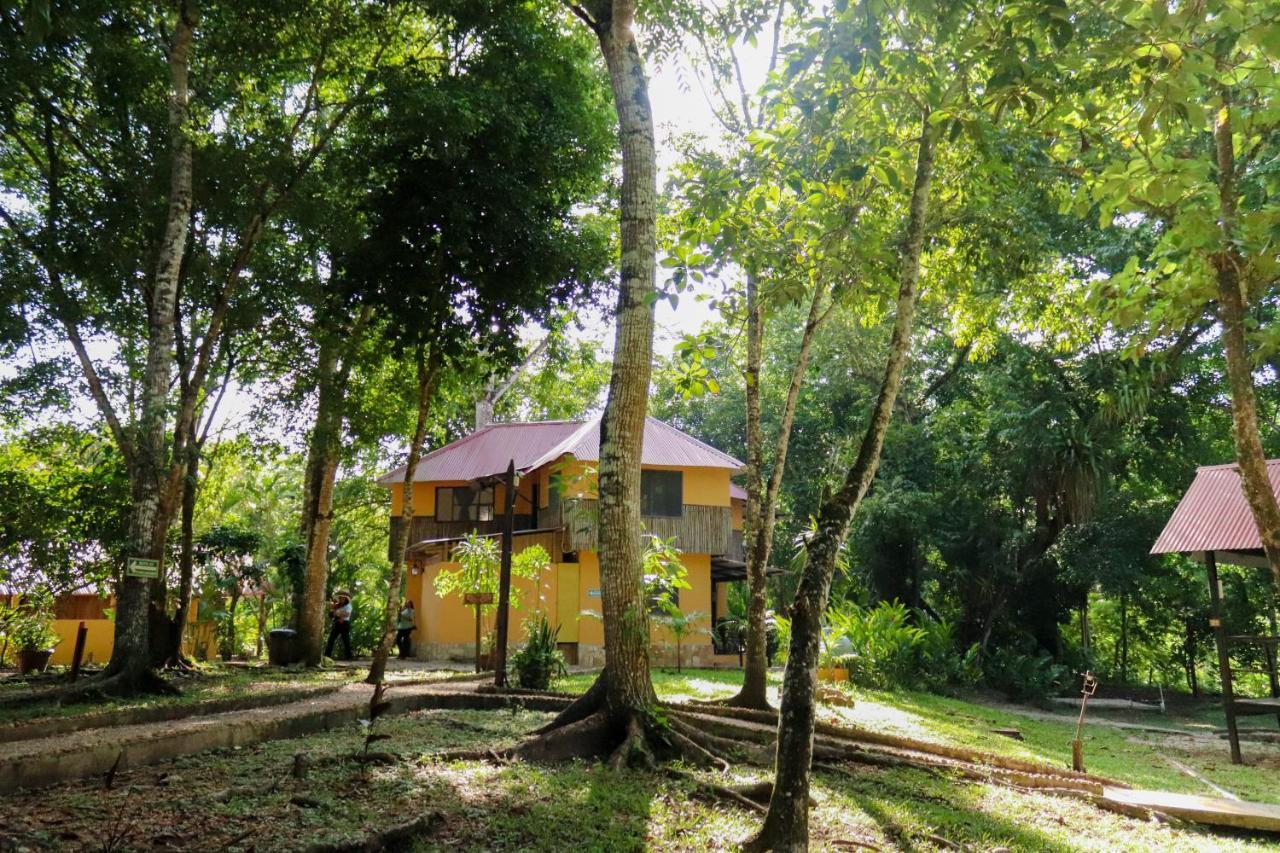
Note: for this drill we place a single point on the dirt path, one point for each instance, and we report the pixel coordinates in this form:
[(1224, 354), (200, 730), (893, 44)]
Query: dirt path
[(61, 757)]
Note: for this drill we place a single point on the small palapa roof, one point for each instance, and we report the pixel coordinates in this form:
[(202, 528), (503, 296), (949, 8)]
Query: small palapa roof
[(487, 451), (1214, 514)]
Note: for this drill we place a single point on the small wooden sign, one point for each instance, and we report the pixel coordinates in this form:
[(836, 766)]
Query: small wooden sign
[(478, 598), (140, 567), (1215, 623)]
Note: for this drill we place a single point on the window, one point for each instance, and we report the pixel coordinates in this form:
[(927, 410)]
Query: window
[(662, 493), (463, 503)]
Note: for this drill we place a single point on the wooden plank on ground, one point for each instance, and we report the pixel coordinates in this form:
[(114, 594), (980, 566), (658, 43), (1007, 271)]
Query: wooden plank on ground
[(1215, 811)]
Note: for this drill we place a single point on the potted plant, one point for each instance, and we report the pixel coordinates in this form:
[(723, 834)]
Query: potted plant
[(831, 665), (539, 661), (31, 630)]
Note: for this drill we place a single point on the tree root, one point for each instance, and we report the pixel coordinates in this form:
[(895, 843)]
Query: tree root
[(97, 688), (734, 795)]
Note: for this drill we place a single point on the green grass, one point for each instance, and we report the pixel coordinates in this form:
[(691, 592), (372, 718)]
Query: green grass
[(210, 681), (237, 799), (1138, 758)]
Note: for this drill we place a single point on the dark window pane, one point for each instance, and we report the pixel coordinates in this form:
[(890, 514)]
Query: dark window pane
[(462, 503), (662, 493)]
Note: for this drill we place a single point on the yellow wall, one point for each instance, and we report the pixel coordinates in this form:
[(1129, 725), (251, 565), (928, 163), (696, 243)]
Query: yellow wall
[(424, 496), (697, 598), (450, 620), (100, 637), (566, 592)]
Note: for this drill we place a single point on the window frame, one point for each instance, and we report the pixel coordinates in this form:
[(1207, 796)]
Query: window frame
[(647, 505), (476, 506)]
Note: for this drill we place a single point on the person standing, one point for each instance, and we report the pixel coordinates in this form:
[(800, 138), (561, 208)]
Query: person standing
[(405, 626), (340, 611)]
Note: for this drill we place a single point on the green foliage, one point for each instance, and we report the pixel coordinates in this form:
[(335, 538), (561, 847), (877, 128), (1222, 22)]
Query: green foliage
[(29, 625), (479, 561), (538, 662), (664, 572), (64, 496), (1023, 676), (892, 646), (681, 625)]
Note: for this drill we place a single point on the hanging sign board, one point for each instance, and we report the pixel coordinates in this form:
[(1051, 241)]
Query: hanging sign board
[(140, 567), (478, 597)]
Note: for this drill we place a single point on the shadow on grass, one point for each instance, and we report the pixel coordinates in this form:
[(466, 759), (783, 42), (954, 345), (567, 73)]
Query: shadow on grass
[(919, 811)]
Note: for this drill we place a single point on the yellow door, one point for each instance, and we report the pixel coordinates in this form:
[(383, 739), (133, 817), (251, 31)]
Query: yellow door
[(567, 602)]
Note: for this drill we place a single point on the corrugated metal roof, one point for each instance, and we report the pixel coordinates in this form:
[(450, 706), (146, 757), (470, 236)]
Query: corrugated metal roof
[(663, 445), (1214, 515), (737, 493), (488, 450)]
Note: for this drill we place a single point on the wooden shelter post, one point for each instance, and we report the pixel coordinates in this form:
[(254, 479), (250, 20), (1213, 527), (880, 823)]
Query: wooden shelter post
[(1224, 654), (504, 578)]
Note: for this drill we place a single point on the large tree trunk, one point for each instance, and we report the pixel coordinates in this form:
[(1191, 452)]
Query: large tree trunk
[(334, 363), (762, 501), (1227, 264), (131, 657), (755, 667), (186, 555), (786, 825), (427, 368), (317, 516), (629, 691)]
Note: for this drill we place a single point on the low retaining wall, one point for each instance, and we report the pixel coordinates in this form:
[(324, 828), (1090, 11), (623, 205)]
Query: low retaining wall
[(86, 756)]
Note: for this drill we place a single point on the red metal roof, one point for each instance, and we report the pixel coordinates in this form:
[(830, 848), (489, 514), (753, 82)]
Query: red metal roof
[(488, 450), (1214, 515), (737, 493)]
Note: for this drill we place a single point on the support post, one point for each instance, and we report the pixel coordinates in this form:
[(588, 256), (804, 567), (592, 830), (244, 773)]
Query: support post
[(479, 668), (77, 656), (504, 577), (1224, 655)]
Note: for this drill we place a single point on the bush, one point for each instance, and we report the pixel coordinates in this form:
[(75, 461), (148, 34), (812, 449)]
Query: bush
[(538, 662), (29, 626), (893, 646), (1023, 677)]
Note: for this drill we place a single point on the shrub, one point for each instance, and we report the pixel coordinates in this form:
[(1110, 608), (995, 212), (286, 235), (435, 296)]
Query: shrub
[(1021, 676), (890, 645), (538, 662), (29, 626)]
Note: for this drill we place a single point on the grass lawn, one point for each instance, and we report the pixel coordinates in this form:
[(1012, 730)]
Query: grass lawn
[(208, 682), (246, 798)]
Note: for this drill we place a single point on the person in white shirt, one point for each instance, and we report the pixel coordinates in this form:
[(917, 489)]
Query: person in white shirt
[(340, 611)]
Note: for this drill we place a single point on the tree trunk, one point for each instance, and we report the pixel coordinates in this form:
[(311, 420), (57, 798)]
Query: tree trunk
[(229, 650), (629, 689), (148, 523), (1251, 459), (786, 825), (186, 556), (1086, 635), (317, 517), (334, 363), (755, 664), (427, 368), (1124, 638), (762, 501)]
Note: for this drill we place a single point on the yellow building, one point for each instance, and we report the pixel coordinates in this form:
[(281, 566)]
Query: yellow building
[(70, 609), (686, 495)]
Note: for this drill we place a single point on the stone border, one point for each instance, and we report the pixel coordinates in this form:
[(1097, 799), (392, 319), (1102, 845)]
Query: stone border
[(42, 727), (239, 729)]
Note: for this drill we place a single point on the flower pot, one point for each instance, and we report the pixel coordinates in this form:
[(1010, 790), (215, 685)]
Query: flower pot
[(833, 673), (33, 660)]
